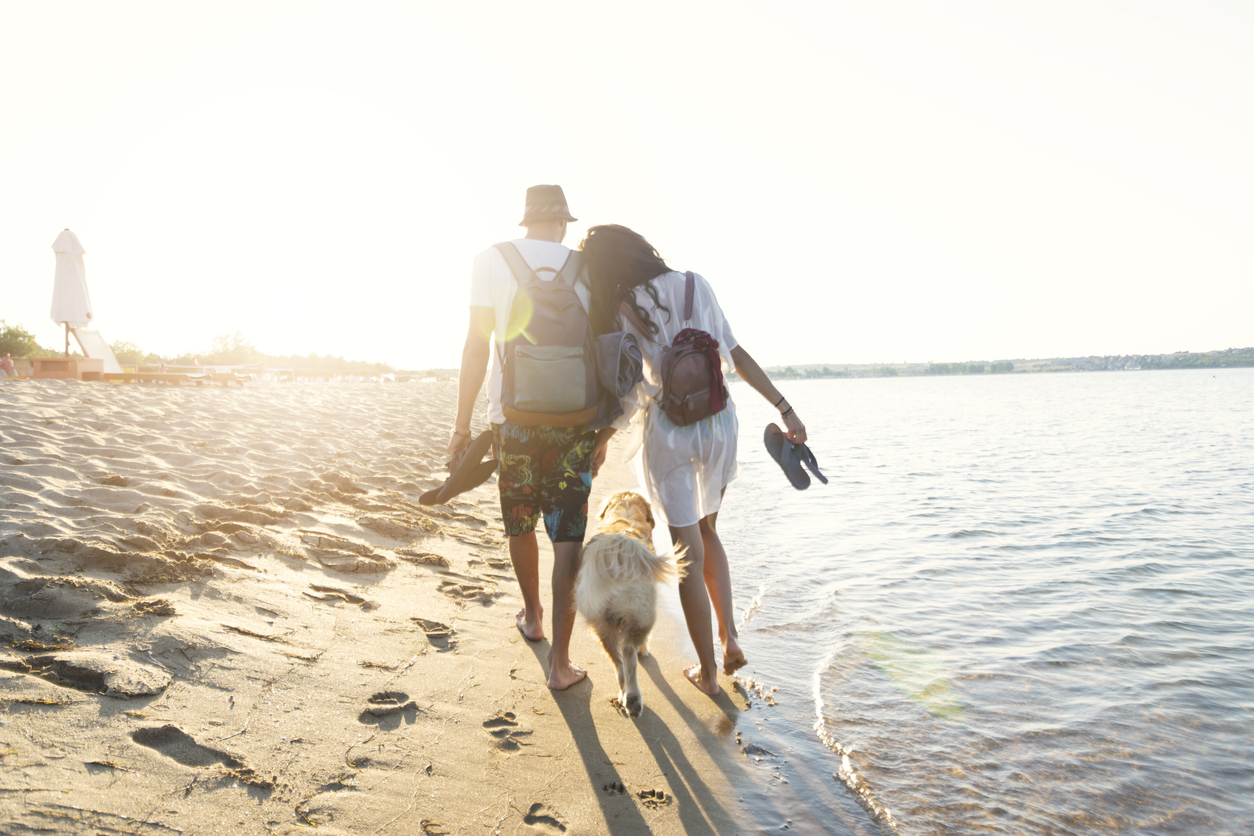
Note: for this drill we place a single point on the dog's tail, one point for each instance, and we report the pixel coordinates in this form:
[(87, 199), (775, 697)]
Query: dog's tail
[(623, 559)]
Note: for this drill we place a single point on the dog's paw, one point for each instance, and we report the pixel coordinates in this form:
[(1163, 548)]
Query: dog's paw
[(634, 704)]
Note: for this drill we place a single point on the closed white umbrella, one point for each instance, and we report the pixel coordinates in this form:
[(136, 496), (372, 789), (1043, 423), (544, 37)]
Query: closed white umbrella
[(71, 304)]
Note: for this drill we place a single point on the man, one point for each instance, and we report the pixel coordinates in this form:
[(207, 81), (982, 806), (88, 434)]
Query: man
[(543, 470)]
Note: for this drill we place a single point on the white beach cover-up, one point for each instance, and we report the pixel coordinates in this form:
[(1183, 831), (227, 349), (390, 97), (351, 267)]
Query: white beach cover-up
[(683, 469)]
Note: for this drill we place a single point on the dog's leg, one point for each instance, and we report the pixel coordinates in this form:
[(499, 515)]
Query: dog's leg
[(633, 641), (612, 640), (631, 687)]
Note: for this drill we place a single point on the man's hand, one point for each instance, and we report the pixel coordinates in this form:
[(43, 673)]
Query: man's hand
[(457, 445), (475, 355)]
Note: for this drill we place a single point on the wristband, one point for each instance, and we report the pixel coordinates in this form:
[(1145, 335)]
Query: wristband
[(462, 432), (782, 398), (786, 413)]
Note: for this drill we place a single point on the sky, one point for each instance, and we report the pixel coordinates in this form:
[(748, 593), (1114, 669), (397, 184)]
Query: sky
[(860, 182)]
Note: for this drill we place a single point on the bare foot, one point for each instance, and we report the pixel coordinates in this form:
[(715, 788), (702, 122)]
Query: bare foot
[(531, 629), (562, 677), (733, 658), (706, 685)]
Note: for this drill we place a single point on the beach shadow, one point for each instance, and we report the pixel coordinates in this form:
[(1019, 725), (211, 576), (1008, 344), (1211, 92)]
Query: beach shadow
[(669, 755), (698, 806), (620, 814)]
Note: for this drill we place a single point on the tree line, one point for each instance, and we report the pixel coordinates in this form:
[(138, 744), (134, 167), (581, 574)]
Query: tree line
[(18, 342), (1231, 357), (981, 367), (811, 372), (226, 350)]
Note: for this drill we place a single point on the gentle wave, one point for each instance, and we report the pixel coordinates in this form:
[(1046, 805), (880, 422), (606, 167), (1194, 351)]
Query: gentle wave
[(1021, 605)]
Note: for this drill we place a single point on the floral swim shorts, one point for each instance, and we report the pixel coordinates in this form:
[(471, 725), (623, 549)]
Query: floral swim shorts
[(544, 470)]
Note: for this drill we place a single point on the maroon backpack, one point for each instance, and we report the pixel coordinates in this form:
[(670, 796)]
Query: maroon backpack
[(692, 371)]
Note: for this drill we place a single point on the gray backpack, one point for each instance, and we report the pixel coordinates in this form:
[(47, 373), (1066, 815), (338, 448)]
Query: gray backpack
[(548, 360)]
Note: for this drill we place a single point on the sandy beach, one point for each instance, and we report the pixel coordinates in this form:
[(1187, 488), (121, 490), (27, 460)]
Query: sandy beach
[(224, 611)]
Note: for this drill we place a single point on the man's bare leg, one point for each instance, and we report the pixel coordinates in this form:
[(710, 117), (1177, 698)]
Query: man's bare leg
[(696, 603), (524, 553), (562, 674), (718, 582)]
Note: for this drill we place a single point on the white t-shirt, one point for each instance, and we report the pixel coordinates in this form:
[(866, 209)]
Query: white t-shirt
[(492, 285)]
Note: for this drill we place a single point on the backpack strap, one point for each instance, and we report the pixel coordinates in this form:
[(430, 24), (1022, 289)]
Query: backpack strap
[(525, 274), (690, 287), (634, 319), (518, 265), (571, 269)]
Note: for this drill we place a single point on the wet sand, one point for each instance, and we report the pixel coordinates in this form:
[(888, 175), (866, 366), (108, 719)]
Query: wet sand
[(223, 610)]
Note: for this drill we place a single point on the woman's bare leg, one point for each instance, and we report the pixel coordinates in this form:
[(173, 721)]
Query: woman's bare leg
[(718, 582), (696, 603)]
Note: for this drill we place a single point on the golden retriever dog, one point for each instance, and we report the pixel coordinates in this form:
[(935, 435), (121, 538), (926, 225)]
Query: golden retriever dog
[(617, 587)]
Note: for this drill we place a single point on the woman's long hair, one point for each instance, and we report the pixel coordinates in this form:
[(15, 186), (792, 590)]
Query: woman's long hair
[(618, 261)]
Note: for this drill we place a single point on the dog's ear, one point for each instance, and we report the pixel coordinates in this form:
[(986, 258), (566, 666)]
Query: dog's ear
[(648, 512), (605, 506)]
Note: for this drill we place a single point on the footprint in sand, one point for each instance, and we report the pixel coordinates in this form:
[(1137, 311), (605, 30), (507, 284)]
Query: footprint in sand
[(156, 606), (654, 799), (178, 745), (615, 787), (754, 752), (440, 635), (93, 672), (340, 554), (544, 818), (423, 557), (331, 593), (387, 703), (28, 595), (389, 528), (350, 563), (465, 592), (504, 728)]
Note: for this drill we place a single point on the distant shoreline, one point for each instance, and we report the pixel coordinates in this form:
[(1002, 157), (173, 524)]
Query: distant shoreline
[(1226, 358)]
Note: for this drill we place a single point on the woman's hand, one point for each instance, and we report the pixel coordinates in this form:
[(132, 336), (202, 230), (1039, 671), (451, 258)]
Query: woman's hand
[(598, 457), (796, 429), (600, 447), (752, 373)]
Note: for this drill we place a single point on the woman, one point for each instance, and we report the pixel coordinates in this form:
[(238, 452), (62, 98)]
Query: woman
[(684, 469)]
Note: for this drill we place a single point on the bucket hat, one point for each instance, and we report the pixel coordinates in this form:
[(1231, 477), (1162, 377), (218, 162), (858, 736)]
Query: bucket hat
[(546, 203)]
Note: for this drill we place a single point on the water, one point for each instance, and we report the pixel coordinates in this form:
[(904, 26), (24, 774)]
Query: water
[(1023, 604)]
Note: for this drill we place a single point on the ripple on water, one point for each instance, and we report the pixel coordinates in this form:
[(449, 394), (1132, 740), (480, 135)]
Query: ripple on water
[(1034, 614)]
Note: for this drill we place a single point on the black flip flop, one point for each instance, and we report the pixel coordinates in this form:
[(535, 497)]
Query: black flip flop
[(783, 452), (471, 472), (804, 456)]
